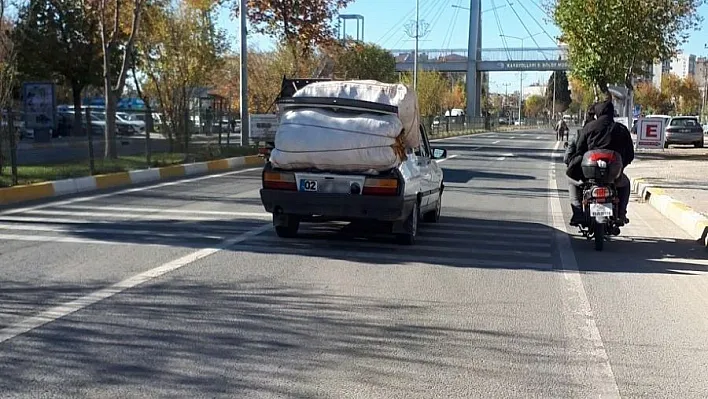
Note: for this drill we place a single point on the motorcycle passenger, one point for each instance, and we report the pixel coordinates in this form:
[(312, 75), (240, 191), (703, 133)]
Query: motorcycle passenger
[(602, 133)]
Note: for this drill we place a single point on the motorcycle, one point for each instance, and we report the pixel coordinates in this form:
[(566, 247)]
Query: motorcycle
[(601, 168)]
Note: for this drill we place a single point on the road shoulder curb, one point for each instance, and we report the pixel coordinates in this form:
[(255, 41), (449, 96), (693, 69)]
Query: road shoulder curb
[(31, 192), (691, 221)]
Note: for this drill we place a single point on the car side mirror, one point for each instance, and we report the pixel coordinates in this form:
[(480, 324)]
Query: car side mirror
[(565, 145), (439, 153)]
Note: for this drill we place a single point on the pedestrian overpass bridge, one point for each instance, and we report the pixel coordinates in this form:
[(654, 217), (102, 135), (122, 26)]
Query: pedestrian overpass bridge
[(489, 60)]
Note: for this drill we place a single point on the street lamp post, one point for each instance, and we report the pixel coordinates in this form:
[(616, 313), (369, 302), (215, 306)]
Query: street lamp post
[(243, 89), (417, 36), (521, 73)]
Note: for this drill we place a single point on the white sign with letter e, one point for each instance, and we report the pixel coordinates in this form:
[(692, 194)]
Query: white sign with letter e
[(650, 133)]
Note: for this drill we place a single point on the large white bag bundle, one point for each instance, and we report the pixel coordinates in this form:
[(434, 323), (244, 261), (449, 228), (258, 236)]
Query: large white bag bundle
[(324, 140), (371, 90)]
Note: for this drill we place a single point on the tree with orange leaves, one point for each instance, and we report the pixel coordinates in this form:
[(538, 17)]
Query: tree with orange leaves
[(302, 25)]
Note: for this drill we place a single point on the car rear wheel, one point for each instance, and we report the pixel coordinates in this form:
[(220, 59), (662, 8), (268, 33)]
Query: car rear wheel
[(699, 144), (288, 229), (411, 226)]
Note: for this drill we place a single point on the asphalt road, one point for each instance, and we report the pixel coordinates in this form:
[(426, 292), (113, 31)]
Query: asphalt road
[(183, 290)]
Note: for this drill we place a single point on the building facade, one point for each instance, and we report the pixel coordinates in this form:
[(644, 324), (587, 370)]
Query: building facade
[(682, 65)]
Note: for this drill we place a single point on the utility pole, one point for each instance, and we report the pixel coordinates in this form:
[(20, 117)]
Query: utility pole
[(243, 89), (521, 92), (555, 82)]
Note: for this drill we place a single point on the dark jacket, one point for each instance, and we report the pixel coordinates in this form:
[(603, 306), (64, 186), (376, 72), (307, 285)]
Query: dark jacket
[(601, 134)]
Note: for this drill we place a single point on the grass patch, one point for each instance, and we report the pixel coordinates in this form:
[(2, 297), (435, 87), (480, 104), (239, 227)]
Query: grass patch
[(41, 173)]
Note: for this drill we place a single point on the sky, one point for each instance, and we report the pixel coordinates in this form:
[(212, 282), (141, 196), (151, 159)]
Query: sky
[(385, 22)]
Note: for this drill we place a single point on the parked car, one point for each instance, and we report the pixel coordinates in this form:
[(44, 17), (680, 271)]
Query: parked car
[(65, 124), (138, 125), (684, 130), (123, 128)]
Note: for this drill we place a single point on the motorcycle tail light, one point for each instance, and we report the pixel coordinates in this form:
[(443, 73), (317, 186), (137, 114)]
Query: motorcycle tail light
[(600, 192)]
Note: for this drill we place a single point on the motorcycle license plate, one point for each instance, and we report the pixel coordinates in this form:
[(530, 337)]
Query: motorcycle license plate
[(600, 210)]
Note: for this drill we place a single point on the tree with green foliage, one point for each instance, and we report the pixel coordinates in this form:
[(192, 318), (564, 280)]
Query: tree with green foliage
[(558, 82), (8, 88), (431, 90), (70, 47), (609, 41), (180, 49), (365, 61), (534, 105)]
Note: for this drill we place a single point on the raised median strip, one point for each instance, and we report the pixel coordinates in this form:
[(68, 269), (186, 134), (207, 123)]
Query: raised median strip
[(30, 192), (690, 220)]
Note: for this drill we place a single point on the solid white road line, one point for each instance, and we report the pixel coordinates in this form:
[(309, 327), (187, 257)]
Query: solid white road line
[(501, 158), (28, 324), (578, 304), (121, 192)]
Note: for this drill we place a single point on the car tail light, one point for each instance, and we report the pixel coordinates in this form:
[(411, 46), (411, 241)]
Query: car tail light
[(279, 181), (378, 186), (600, 192)]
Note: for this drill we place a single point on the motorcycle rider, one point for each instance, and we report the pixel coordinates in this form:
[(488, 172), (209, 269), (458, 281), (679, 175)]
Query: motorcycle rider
[(561, 130), (602, 133)]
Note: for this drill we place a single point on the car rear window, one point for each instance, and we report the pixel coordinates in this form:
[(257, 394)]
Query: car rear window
[(686, 122)]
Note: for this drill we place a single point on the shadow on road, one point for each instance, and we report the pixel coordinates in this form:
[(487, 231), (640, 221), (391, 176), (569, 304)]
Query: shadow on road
[(489, 244), (251, 338), (466, 175)]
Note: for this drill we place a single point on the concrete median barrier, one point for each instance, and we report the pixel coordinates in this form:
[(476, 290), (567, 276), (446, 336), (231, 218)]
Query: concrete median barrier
[(690, 220), (31, 192)]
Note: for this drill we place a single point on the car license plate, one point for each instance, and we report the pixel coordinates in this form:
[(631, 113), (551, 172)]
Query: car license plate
[(308, 185), (600, 210)]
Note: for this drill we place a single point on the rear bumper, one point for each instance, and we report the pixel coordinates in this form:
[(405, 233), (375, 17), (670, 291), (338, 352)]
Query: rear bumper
[(683, 138), (336, 206)]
